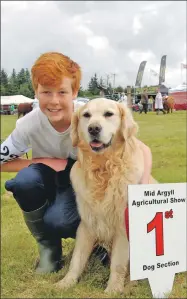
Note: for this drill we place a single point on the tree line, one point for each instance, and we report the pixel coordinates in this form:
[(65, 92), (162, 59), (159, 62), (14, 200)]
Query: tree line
[(19, 83), (16, 83)]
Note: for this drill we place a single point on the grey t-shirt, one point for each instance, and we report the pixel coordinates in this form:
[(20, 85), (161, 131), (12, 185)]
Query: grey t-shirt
[(35, 131)]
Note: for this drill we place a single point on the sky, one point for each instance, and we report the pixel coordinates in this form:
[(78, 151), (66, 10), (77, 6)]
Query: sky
[(104, 37)]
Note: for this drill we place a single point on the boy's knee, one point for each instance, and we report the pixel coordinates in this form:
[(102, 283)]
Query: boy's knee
[(27, 180), (62, 224)]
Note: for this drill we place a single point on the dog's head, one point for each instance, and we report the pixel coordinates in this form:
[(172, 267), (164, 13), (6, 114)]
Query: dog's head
[(99, 122)]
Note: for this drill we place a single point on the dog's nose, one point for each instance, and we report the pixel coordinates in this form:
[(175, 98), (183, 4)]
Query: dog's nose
[(94, 129)]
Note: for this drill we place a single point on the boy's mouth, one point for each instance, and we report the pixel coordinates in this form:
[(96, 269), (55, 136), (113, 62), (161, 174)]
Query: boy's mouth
[(54, 110)]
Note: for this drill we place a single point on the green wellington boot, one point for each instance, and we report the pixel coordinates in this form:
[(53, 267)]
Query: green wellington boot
[(50, 248)]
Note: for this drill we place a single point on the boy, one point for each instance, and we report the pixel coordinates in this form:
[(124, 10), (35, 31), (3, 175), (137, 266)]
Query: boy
[(42, 186)]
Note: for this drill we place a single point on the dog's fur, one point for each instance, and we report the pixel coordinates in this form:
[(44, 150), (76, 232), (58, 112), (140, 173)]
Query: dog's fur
[(100, 181)]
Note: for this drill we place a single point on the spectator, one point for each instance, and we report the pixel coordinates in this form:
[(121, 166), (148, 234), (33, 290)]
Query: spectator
[(151, 103), (144, 101), (123, 99), (159, 102), (12, 108)]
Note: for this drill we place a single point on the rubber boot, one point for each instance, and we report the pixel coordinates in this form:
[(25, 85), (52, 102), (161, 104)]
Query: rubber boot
[(50, 248)]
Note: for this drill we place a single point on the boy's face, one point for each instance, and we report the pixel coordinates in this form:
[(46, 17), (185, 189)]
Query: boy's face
[(57, 102)]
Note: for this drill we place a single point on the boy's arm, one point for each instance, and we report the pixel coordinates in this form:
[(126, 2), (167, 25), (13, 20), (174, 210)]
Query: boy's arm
[(20, 163), (15, 165), (147, 163), (15, 146)]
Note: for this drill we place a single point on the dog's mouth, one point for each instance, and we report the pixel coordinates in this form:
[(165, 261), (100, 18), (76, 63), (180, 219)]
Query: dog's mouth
[(97, 145)]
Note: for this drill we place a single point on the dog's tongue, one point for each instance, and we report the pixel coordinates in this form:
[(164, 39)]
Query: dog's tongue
[(96, 144)]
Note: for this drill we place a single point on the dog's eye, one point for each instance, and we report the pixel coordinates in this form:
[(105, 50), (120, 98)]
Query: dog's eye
[(87, 114), (108, 114)]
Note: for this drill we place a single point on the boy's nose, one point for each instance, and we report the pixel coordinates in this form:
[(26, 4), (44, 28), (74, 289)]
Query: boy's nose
[(55, 98)]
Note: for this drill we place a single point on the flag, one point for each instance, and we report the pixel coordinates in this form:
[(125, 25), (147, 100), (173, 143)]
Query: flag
[(153, 73), (162, 69), (184, 66), (140, 74)]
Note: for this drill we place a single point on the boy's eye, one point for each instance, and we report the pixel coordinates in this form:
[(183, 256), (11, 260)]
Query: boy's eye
[(62, 92), (46, 92)]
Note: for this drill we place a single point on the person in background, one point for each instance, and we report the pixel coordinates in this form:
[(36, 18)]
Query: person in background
[(144, 102), (123, 98), (159, 103), (150, 103), (12, 108)]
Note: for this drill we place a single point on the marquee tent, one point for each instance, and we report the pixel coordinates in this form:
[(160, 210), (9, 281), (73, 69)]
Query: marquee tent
[(16, 100)]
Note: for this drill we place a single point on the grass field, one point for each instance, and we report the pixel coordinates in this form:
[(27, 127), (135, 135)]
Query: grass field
[(166, 136)]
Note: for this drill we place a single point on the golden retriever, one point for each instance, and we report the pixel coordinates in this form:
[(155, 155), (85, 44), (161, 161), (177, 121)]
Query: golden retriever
[(109, 159)]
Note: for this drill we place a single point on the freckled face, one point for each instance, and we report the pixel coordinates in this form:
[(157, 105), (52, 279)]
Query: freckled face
[(57, 102)]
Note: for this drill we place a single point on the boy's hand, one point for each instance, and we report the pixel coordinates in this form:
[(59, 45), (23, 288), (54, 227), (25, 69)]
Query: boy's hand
[(54, 163)]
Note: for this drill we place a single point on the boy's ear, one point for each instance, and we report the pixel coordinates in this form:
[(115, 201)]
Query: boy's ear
[(75, 94)]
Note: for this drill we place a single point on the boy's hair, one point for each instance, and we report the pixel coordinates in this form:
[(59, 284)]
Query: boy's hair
[(50, 68)]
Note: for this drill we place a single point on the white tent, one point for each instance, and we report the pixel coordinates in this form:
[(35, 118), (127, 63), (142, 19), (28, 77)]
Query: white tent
[(8, 100), (182, 87)]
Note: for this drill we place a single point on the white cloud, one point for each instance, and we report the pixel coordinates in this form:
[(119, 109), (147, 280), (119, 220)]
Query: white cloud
[(103, 37), (137, 26), (138, 56), (85, 30), (98, 42)]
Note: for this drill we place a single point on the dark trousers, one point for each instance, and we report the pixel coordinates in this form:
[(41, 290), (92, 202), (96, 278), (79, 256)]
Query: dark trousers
[(157, 110), (38, 183), (145, 108)]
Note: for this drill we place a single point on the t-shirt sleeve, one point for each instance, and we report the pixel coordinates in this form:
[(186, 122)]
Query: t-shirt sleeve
[(16, 145)]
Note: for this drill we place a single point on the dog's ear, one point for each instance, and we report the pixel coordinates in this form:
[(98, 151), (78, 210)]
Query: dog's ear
[(129, 127), (74, 128)]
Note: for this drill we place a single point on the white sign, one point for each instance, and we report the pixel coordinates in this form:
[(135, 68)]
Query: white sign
[(157, 234)]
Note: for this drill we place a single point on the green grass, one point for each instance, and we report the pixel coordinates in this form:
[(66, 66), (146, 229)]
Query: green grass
[(166, 136)]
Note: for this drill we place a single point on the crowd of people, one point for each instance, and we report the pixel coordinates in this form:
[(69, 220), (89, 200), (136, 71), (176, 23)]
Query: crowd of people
[(146, 103)]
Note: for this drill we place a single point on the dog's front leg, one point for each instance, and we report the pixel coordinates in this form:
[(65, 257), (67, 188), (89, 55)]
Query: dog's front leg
[(119, 264), (83, 247)]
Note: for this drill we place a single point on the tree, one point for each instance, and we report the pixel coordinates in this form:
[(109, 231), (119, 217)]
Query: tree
[(93, 85), (81, 92), (4, 78), (3, 90), (27, 76), (24, 90), (13, 77), (119, 89), (101, 82), (21, 79), (13, 87)]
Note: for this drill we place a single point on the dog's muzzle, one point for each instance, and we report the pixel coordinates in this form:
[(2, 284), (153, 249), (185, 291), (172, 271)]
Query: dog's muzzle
[(94, 130), (97, 145)]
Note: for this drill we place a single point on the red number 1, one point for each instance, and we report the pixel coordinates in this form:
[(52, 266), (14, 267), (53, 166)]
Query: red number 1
[(157, 223)]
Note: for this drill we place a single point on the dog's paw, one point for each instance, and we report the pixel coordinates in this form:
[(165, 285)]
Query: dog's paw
[(114, 289), (66, 283), (129, 287)]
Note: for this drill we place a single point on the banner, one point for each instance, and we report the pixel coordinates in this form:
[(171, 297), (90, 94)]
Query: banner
[(153, 73), (162, 69), (140, 74)]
